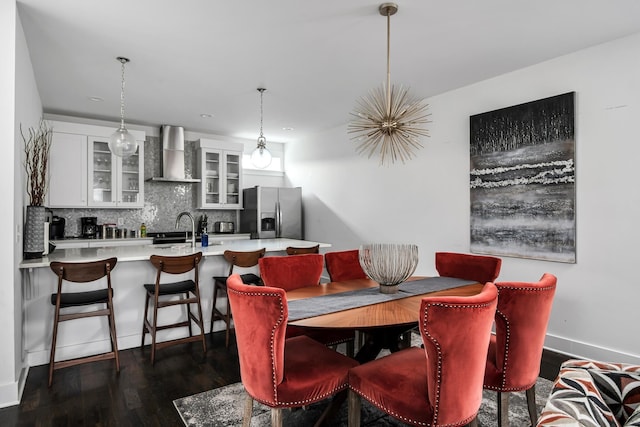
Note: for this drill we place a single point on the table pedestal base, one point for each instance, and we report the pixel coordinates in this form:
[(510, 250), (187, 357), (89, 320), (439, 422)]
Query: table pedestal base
[(376, 340)]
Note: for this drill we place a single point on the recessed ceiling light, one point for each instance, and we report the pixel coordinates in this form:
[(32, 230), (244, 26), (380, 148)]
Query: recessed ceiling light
[(287, 129), (206, 116), (96, 99)]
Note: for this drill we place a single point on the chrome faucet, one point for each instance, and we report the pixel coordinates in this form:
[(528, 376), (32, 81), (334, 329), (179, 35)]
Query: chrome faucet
[(193, 227)]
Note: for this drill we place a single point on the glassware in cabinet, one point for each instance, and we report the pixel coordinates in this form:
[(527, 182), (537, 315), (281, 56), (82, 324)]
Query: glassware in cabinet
[(114, 181), (101, 173), (131, 180), (220, 171)]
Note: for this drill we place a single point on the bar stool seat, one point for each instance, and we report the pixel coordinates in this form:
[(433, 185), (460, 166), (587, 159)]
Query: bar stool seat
[(81, 298), (72, 274), (235, 259), (172, 288)]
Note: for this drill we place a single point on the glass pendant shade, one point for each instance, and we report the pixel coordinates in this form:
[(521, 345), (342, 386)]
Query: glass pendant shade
[(122, 143), (261, 157)]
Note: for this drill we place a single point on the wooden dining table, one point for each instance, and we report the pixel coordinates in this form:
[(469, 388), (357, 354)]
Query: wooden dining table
[(382, 322)]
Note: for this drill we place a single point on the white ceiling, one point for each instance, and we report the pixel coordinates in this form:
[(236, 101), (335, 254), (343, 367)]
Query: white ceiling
[(315, 58)]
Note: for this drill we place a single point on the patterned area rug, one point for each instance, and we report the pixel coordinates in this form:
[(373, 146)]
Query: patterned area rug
[(223, 407)]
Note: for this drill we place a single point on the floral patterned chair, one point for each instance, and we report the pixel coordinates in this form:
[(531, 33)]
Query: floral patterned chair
[(590, 393)]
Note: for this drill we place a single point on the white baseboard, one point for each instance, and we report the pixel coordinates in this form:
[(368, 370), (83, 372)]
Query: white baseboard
[(581, 350), (10, 394), (41, 357)]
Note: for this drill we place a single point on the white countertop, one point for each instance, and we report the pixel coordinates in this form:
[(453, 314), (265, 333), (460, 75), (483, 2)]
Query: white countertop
[(143, 252), (142, 240)]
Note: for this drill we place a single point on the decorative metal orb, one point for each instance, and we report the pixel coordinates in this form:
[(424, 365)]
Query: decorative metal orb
[(388, 264)]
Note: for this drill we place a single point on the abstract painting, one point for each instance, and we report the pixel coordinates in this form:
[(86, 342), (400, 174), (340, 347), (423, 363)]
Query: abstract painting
[(523, 180)]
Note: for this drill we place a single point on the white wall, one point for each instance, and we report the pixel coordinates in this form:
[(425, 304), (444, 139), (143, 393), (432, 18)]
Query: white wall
[(8, 390), (349, 199), (19, 104)]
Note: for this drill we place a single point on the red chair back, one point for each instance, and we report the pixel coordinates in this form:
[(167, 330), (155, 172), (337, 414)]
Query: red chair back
[(344, 265), (260, 316), (480, 268), (521, 326), (455, 332), (291, 272)]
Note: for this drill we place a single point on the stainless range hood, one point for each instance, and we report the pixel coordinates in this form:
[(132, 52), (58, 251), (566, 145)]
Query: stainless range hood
[(172, 167)]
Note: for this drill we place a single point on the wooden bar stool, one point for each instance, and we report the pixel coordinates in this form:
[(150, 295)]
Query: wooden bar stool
[(235, 259), (292, 250), (83, 272), (173, 265)]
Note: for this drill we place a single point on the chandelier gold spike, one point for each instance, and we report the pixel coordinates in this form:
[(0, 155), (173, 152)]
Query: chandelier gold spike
[(388, 120)]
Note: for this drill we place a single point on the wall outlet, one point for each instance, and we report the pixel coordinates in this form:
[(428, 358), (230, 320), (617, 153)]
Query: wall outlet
[(120, 221)]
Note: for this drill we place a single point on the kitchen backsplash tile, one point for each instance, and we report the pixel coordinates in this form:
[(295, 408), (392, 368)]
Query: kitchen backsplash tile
[(163, 201)]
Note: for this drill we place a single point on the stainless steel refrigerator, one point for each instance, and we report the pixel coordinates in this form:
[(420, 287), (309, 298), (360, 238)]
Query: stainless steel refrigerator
[(271, 212)]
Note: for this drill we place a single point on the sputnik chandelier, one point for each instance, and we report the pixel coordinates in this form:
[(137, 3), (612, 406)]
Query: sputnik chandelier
[(388, 120)]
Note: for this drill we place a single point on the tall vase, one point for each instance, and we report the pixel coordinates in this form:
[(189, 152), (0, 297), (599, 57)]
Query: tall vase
[(34, 232)]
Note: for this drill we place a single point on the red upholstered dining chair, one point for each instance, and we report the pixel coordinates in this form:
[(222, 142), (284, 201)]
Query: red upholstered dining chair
[(344, 265), (466, 266), (440, 385), (277, 371), (515, 350), (293, 272)]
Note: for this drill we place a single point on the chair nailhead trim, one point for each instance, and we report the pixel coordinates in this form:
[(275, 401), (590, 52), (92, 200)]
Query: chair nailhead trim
[(276, 402), (387, 410), (273, 331), (305, 401), (439, 351), (508, 336), (426, 315)]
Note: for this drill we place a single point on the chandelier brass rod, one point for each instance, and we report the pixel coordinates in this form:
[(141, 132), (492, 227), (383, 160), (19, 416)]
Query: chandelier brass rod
[(388, 62)]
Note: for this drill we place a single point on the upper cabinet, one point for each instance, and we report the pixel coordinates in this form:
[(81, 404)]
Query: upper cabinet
[(114, 181), (220, 172), (84, 173), (67, 171)]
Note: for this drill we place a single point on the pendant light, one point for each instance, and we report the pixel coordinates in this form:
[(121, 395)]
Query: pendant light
[(261, 157), (121, 142), (388, 120)]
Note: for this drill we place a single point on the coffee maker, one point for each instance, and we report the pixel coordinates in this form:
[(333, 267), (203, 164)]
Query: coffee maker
[(89, 227)]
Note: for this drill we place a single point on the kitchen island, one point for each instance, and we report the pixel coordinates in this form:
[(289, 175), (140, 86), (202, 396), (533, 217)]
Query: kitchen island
[(90, 335)]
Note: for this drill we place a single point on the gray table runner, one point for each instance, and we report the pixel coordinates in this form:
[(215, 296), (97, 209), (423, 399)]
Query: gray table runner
[(325, 304)]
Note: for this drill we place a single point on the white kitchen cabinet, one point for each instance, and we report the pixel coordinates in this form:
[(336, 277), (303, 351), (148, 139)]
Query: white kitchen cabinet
[(67, 171), (114, 181), (84, 173), (220, 172)]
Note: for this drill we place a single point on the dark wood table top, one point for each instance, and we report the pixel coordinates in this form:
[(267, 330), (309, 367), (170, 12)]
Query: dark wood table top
[(404, 311)]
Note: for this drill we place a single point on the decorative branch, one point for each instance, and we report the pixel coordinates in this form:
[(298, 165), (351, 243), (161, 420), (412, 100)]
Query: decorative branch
[(36, 161)]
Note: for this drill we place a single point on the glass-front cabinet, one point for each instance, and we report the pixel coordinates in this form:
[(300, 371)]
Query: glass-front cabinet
[(84, 173), (113, 180), (220, 172)]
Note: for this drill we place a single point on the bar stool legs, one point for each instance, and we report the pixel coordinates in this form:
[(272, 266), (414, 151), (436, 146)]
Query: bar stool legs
[(216, 314), (78, 274)]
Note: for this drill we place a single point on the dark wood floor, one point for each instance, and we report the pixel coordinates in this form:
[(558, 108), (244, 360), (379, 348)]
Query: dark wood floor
[(141, 395)]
